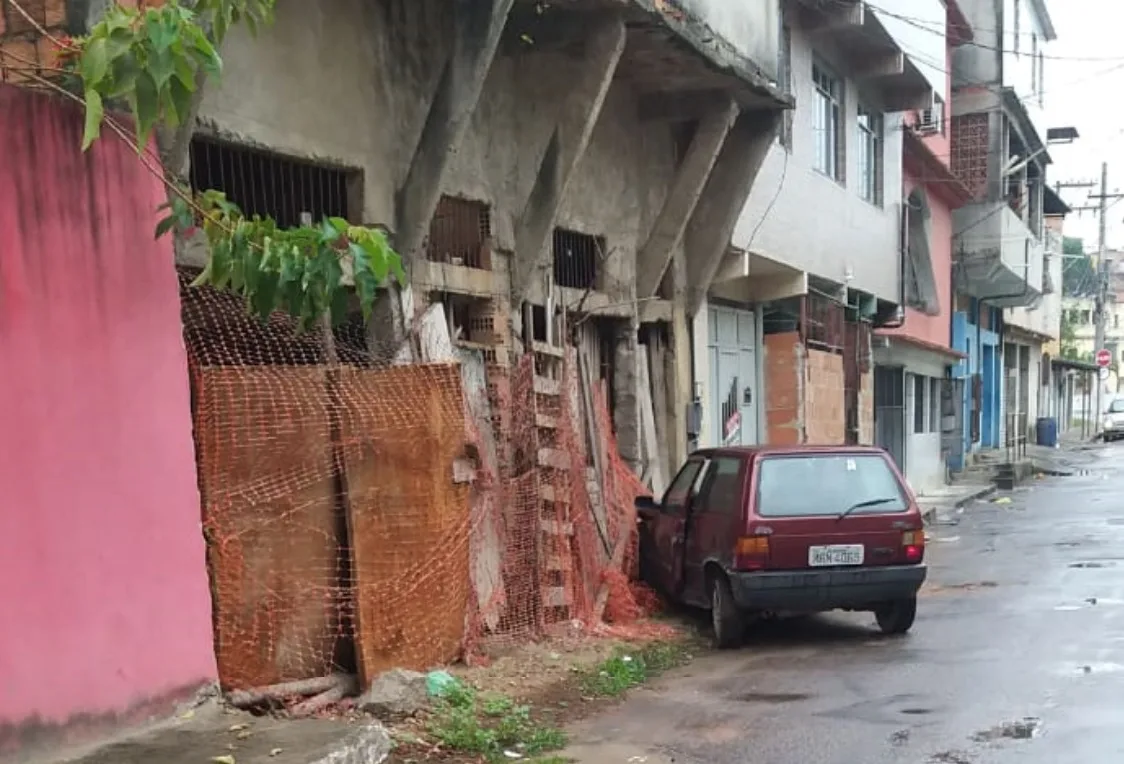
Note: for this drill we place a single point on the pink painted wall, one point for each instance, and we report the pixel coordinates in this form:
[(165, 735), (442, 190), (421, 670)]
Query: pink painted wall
[(934, 329), (106, 603)]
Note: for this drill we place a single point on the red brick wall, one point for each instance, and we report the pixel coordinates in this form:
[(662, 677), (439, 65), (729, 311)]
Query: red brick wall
[(970, 140), (866, 409), (784, 389), (825, 419)]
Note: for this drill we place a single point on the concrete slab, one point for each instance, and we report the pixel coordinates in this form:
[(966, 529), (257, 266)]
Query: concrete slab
[(211, 732), (950, 497)]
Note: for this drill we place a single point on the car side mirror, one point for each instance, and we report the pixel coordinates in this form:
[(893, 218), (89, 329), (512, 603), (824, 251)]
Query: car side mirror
[(647, 502)]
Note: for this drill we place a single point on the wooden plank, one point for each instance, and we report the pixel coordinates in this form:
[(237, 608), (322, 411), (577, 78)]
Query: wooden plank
[(433, 336), (266, 475), (556, 596), (648, 426), (657, 365), (556, 528), (597, 506), (545, 386), (404, 428), (554, 458), (485, 529), (546, 349)]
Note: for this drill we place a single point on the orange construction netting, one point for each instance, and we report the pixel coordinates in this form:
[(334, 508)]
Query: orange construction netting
[(365, 510)]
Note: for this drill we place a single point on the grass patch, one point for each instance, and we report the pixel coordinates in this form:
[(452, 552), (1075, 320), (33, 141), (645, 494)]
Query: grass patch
[(489, 725), (628, 668)]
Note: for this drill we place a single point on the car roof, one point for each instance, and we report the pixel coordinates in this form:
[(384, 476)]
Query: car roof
[(791, 450)]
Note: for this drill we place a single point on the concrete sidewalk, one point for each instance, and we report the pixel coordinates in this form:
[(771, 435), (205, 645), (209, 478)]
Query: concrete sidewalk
[(212, 733), (950, 497)]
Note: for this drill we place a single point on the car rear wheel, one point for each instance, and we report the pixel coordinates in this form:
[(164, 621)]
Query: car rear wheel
[(896, 617), (727, 620)]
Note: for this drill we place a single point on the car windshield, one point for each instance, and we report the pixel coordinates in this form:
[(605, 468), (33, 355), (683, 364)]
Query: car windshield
[(1116, 407), (827, 484)]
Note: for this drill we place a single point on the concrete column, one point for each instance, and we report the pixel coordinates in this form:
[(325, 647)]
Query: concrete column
[(626, 392), (567, 145), (478, 26), (686, 188), (708, 233), (682, 377)]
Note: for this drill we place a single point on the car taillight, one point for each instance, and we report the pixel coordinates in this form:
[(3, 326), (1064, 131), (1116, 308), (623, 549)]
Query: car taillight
[(913, 542), (751, 552)]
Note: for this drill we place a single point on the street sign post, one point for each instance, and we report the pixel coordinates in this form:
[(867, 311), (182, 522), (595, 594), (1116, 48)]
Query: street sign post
[(1103, 358), (1103, 373)]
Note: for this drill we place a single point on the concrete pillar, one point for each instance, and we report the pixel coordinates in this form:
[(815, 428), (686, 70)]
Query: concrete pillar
[(478, 25), (708, 233), (626, 393), (690, 179), (682, 377), (567, 145)]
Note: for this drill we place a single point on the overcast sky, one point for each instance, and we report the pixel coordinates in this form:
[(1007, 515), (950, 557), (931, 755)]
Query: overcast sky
[(1084, 80)]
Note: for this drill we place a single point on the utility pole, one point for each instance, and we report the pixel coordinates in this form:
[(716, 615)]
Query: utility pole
[(1100, 314)]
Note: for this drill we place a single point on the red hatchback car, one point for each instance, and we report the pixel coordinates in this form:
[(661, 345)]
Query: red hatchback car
[(770, 530)]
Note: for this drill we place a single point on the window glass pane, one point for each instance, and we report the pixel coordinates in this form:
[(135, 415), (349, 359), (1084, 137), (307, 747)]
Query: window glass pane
[(918, 403), (805, 486), (722, 489), (680, 489), (934, 405)]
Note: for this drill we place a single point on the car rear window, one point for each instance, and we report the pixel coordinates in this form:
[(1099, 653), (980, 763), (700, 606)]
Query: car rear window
[(1117, 406), (827, 484)]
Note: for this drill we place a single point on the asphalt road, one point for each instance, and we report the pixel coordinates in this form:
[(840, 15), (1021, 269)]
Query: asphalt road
[(1017, 655)]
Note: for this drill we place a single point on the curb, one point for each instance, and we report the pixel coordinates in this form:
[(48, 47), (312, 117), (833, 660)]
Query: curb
[(929, 515)]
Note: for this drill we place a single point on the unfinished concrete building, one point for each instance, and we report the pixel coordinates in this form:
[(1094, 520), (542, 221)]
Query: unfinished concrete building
[(546, 168)]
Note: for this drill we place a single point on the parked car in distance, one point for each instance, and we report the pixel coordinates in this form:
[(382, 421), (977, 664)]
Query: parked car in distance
[(1112, 428), (786, 530)]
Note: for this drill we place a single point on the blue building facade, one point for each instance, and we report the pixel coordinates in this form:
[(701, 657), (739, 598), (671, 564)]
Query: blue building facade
[(982, 368)]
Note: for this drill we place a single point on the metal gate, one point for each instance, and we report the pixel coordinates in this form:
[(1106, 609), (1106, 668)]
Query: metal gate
[(889, 412)]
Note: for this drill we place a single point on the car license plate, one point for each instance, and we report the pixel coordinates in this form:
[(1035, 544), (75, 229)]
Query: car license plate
[(837, 554)]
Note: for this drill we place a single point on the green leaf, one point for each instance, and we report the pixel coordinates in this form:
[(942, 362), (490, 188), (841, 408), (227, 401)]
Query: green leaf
[(340, 225), (162, 66), (146, 107), (94, 114), (165, 225), (94, 63), (264, 297), (179, 102), (340, 306)]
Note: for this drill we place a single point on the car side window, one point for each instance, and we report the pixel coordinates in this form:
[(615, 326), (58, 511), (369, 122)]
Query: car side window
[(682, 487), (721, 491)]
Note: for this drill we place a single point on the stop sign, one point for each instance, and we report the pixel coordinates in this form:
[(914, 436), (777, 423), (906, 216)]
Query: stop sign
[(1103, 357)]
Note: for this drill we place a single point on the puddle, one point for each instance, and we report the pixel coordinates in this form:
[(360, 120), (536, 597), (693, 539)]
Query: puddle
[(917, 711), (1093, 564), (950, 757), (1097, 668), (1115, 521), (1024, 729), (773, 698)]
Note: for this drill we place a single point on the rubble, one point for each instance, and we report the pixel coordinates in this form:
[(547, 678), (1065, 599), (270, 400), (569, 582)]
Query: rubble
[(395, 693)]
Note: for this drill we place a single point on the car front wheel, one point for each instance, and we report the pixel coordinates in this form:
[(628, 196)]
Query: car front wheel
[(896, 617), (728, 622)]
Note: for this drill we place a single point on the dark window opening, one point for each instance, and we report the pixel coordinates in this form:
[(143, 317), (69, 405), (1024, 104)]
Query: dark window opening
[(577, 259), (823, 323), (461, 233), (270, 185), (472, 322), (919, 417)]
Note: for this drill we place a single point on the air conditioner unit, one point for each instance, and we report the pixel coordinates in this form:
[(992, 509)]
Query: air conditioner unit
[(931, 120)]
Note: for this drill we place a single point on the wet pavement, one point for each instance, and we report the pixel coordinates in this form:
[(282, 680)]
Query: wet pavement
[(1017, 655)]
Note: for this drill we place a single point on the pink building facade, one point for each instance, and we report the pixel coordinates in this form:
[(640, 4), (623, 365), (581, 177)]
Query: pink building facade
[(914, 357), (107, 611)]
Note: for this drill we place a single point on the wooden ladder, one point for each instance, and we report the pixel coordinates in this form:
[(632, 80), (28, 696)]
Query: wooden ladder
[(553, 462)]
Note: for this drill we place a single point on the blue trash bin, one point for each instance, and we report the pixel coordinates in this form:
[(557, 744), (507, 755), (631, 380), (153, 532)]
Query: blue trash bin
[(1047, 431)]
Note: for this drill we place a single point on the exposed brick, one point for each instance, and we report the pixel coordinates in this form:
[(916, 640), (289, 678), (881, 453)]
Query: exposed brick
[(55, 13), (14, 55), (36, 9)]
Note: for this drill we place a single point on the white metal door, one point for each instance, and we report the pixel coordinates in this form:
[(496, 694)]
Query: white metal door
[(733, 377)]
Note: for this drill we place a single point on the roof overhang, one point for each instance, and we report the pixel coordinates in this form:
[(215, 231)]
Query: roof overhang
[(1043, 14), (1052, 203), (922, 162), (1016, 109)]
